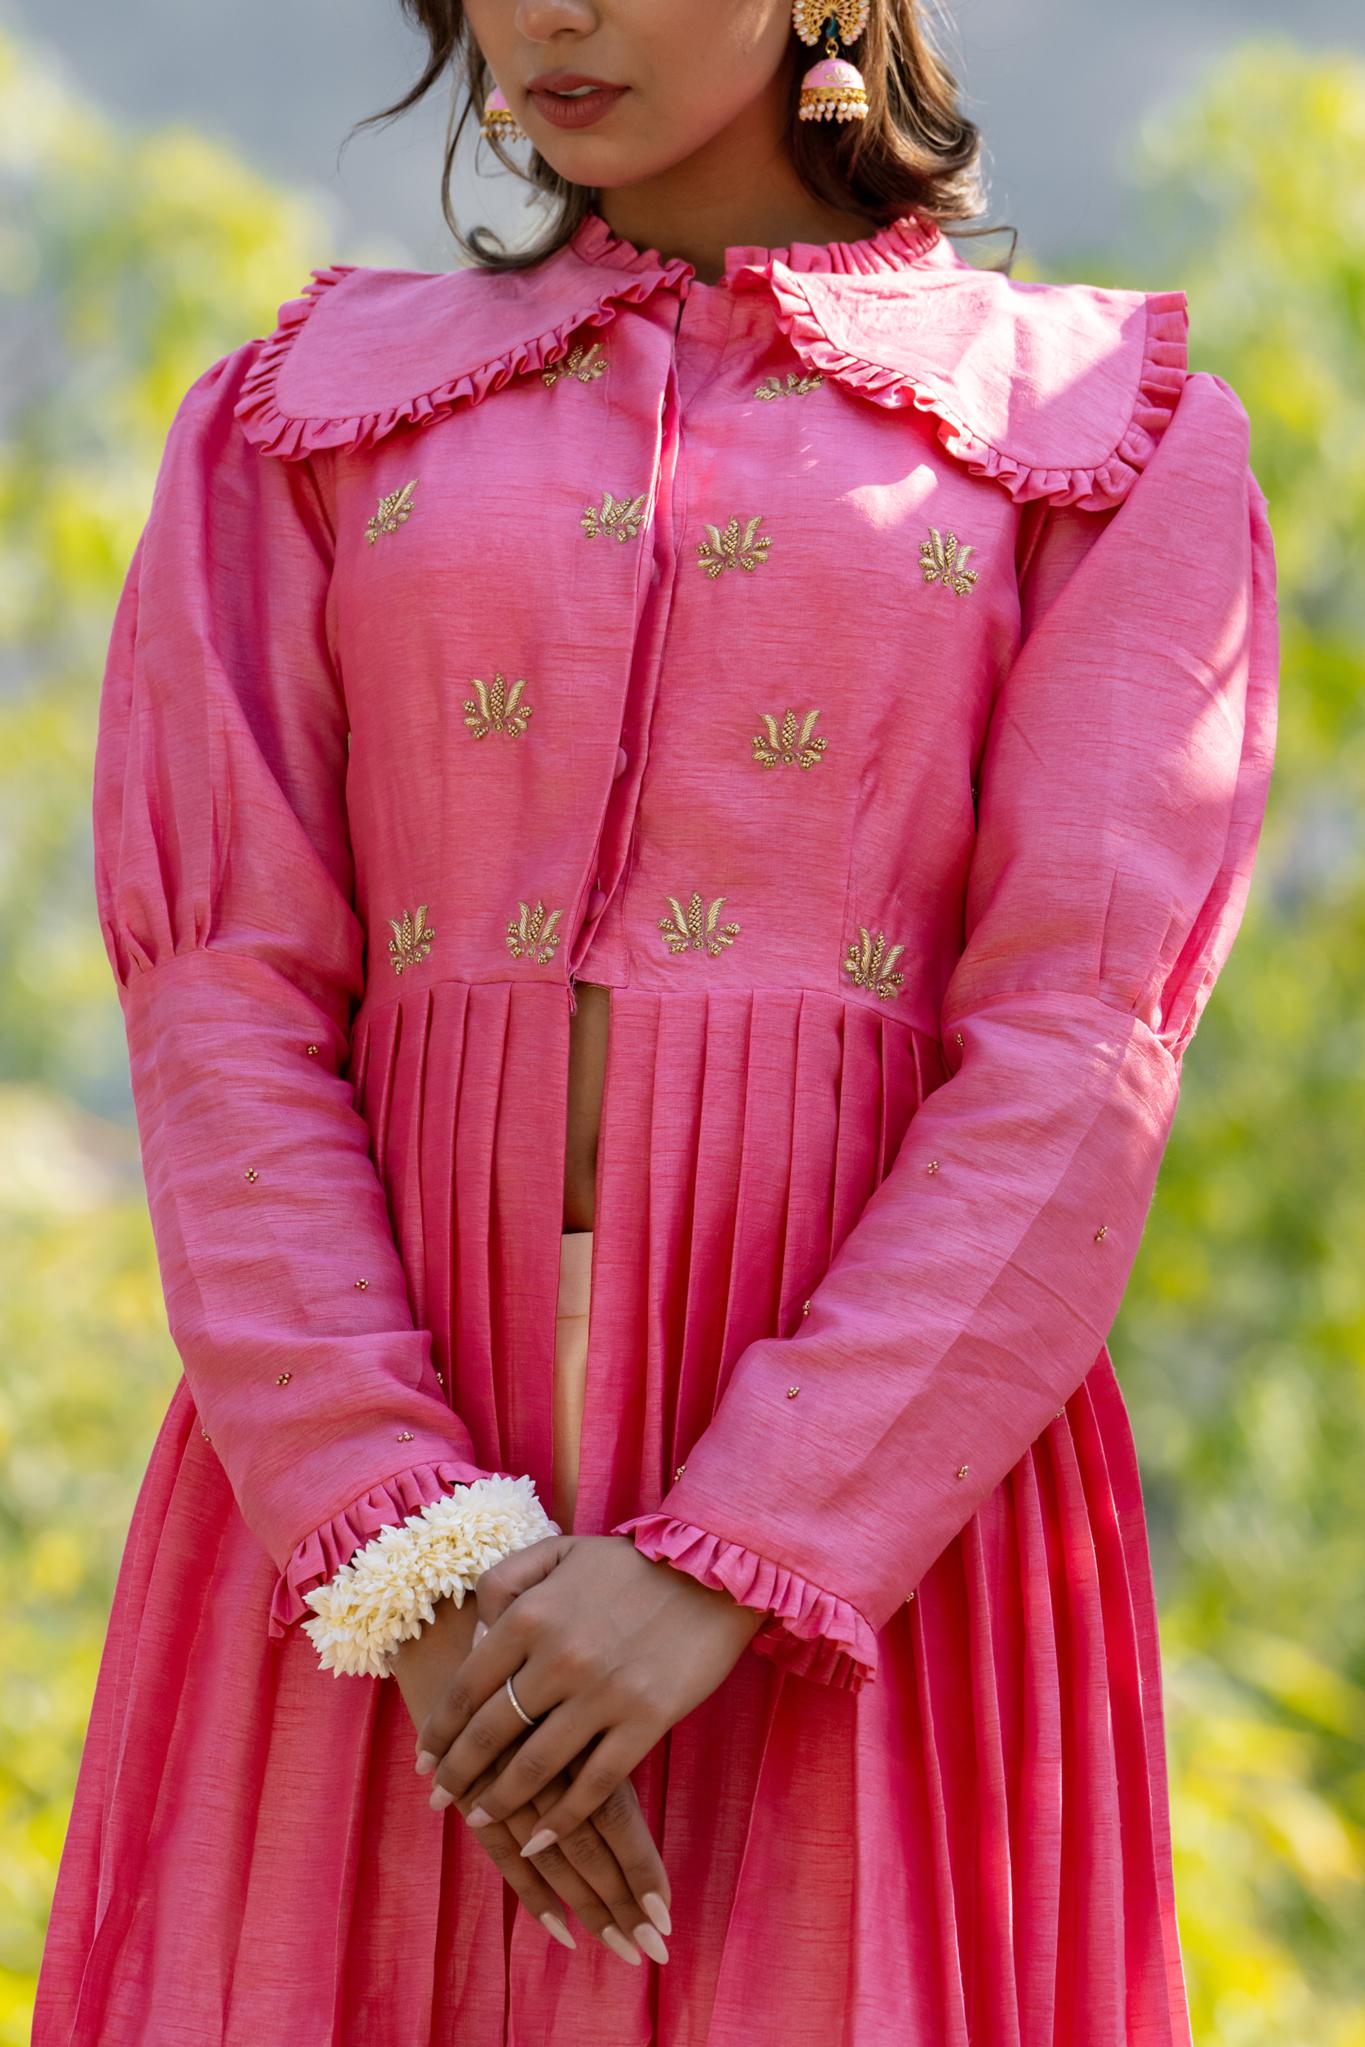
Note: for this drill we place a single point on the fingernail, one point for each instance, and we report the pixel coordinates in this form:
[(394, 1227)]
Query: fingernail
[(426, 1763), (649, 1940), (441, 1797), (619, 1945), (480, 1630), (544, 1838), (657, 1911), (553, 1924), (477, 1817)]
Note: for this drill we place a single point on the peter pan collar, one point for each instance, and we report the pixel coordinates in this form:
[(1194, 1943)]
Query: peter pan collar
[(1056, 391)]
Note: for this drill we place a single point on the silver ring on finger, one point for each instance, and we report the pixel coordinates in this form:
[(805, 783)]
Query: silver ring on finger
[(517, 1703)]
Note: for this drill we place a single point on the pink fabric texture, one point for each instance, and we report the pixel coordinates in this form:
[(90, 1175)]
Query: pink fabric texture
[(866, 667)]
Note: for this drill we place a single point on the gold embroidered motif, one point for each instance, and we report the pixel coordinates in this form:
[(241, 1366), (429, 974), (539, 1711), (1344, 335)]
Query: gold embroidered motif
[(411, 940), (252, 1174), (497, 709), (678, 1473), (362, 1284), (583, 363), (531, 931), (792, 1392), (870, 964), (283, 1378), (683, 931), (790, 746), (943, 561), (393, 510), (731, 549), (796, 385), (620, 516), (1101, 1233)]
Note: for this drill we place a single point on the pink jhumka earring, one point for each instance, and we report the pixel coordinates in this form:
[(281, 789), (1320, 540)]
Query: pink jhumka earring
[(498, 119), (833, 89)]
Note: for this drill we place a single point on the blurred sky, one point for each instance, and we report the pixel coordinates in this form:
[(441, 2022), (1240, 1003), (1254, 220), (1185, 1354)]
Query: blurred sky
[(1059, 87)]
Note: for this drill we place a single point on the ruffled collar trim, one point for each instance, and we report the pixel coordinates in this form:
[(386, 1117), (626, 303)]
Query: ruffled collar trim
[(896, 245), (1054, 391)]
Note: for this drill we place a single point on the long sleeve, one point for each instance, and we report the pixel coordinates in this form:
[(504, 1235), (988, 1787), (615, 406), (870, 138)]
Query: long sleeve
[(1122, 787), (224, 883)]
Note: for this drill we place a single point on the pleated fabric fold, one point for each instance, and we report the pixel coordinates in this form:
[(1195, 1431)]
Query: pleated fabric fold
[(970, 1852)]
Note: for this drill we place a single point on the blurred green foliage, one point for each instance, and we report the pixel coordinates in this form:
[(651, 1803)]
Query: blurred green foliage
[(130, 262)]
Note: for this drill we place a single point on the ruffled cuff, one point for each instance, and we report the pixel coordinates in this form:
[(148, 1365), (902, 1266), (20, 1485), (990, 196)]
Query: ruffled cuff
[(387, 1591), (809, 1632)]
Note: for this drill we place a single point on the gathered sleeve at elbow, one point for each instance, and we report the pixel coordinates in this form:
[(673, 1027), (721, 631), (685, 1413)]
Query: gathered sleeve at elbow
[(224, 884), (1123, 784)]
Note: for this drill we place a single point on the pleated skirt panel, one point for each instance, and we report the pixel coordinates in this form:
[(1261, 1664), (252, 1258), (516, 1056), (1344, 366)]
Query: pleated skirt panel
[(972, 1851)]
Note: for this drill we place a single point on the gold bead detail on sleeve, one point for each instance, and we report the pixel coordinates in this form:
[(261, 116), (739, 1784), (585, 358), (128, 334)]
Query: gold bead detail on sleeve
[(252, 1174), (943, 561), (283, 1378), (678, 1473), (362, 1284), (312, 1051), (805, 1307), (621, 516), (962, 1470), (1101, 1232), (792, 1392), (932, 1166), (958, 1038), (403, 1436)]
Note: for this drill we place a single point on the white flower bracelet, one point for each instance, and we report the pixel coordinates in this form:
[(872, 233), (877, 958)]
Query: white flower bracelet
[(387, 1592)]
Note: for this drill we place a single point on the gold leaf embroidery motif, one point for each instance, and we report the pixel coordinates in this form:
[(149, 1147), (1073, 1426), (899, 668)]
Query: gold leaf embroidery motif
[(796, 385), (684, 931), (531, 932), (411, 940), (870, 964), (733, 549), (788, 746), (620, 516), (393, 510), (497, 709), (583, 363), (943, 561)]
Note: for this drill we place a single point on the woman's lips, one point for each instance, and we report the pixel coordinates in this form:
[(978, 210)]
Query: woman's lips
[(579, 112)]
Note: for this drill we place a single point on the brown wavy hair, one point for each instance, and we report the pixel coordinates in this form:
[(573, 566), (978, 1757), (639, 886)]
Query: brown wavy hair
[(915, 151)]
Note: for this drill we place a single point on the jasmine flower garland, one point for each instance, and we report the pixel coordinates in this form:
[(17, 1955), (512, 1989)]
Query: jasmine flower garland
[(388, 1591)]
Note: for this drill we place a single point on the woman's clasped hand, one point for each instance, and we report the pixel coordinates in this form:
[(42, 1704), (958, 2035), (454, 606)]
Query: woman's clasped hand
[(606, 1650)]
